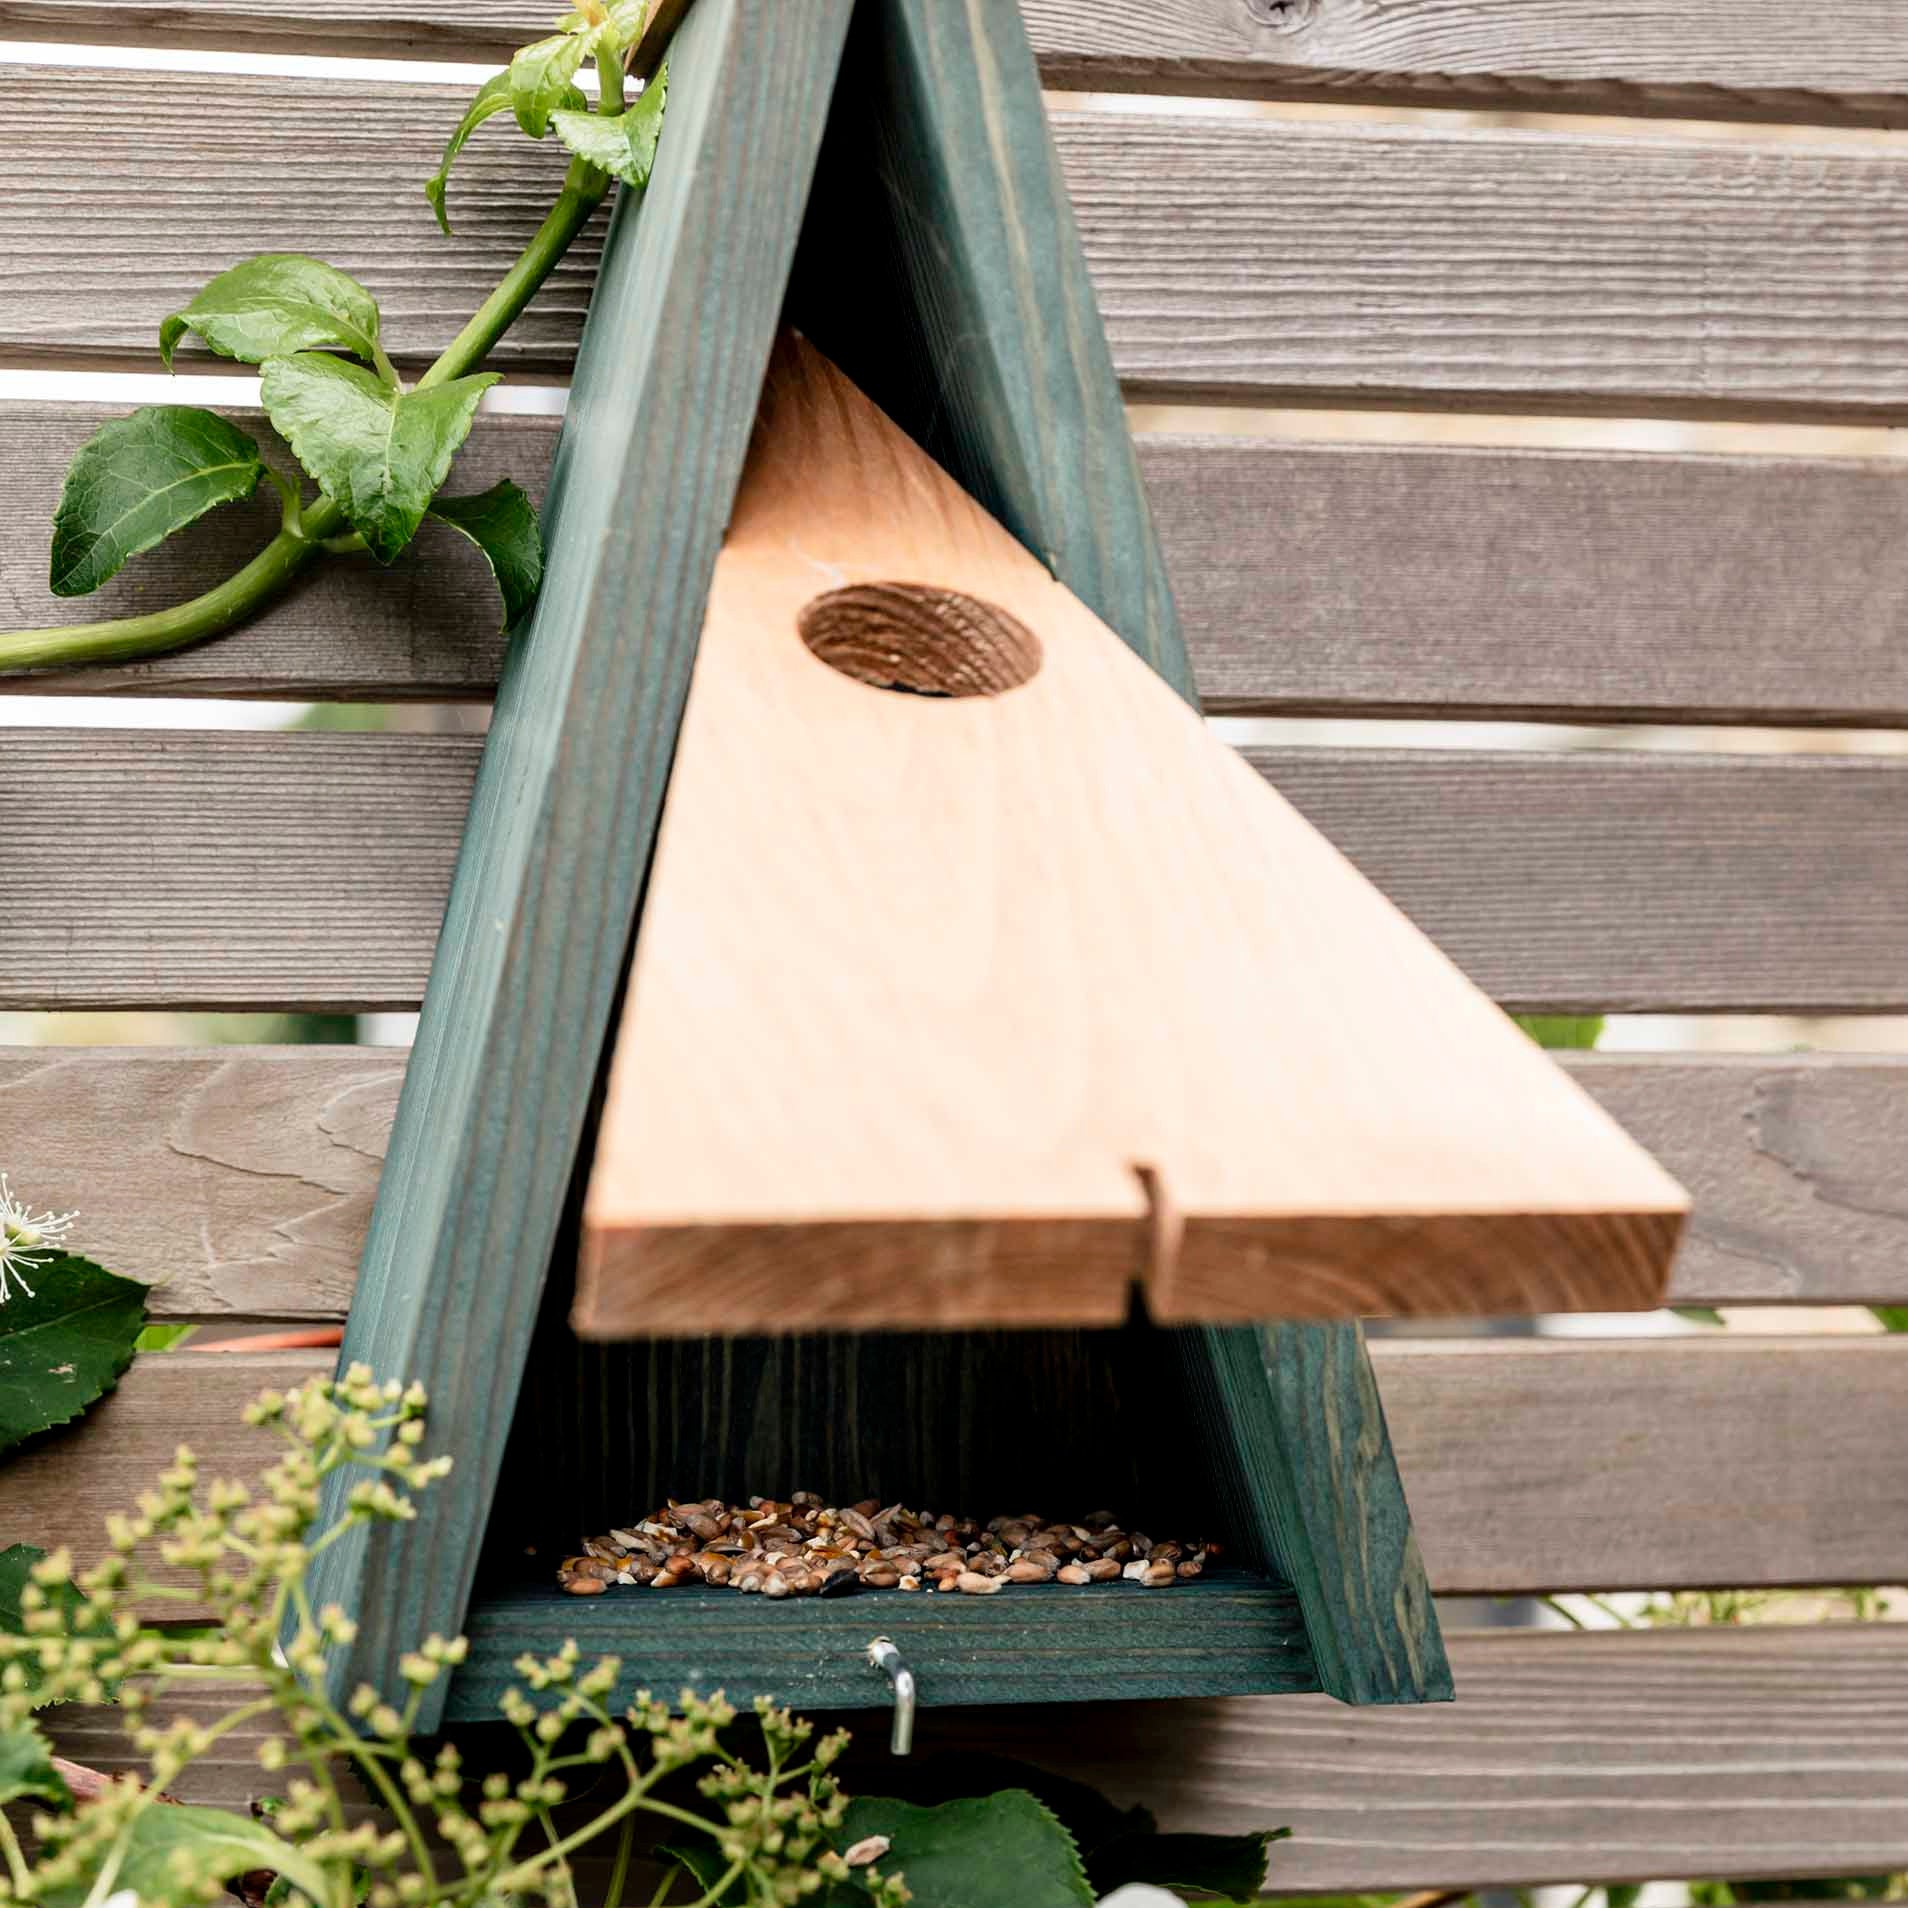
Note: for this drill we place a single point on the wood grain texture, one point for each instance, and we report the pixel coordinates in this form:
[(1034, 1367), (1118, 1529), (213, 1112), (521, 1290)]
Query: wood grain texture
[(224, 871), (1255, 260), (1681, 1462), (1580, 585), (1530, 1465), (1229, 1635), (1737, 1754), (374, 145), (1513, 270), (271, 871), (1295, 1442), (856, 1082), (1752, 59), (1311, 578), (240, 1178), (564, 812), (244, 1177), (1721, 870), (1794, 1164), (1733, 1753)]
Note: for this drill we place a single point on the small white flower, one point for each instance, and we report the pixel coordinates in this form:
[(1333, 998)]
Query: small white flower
[(25, 1239)]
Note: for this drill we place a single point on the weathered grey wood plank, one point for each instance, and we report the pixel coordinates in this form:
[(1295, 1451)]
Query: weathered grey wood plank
[(1623, 882), (243, 1177), (1241, 259), (1795, 1165), (1530, 1465), (238, 1178), (1745, 1753), (1753, 59), (1721, 1753), (225, 871), (309, 871), (1311, 578), (1682, 1462), (1587, 586), (138, 187)]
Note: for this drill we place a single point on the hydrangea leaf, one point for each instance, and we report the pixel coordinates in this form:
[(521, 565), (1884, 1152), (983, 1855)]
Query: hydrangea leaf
[(274, 305), (540, 79), (492, 98), (65, 1346), (137, 481), (176, 1851), (622, 144), (16, 1572), (380, 453), (502, 523), (26, 1769), (956, 1855)]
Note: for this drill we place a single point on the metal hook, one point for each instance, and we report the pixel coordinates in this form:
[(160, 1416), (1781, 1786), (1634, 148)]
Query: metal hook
[(882, 1655)]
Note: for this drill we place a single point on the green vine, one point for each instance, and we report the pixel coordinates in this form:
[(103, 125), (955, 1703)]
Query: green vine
[(379, 452)]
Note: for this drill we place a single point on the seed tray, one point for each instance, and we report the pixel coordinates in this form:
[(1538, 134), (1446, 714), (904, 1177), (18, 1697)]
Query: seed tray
[(1231, 1632)]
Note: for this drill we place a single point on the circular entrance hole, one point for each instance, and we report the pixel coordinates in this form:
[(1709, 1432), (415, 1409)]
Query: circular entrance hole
[(920, 641)]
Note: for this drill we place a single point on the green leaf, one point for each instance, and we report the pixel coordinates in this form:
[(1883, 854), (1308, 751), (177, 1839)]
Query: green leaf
[(272, 306), (1894, 1317), (16, 1572), (996, 1851), (540, 79), (492, 98), (502, 523), (380, 453), (1230, 1866), (141, 478), (1562, 1031), (622, 144), (174, 1850), (26, 1769), (705, 1865), (1699, 1314), (160, 1338), (66, 1346)]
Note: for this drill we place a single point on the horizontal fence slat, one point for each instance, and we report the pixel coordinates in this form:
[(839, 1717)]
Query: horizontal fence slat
[(1531, 1465), (1311, 578), (1699, 1461), (1234, 259), (1592, 586), (1739, 1754), (1841, 62), (243, 1177), (225, 871), (1631, 882)]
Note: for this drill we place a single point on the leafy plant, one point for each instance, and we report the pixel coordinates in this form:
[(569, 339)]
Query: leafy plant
[(379, 451)]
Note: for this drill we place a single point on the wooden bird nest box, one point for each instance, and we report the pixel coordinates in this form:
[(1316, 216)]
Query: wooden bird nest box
[(1011, 1015)]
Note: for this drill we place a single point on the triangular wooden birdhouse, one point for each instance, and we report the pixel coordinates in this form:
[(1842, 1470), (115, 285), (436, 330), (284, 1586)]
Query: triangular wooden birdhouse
[(922, 982)]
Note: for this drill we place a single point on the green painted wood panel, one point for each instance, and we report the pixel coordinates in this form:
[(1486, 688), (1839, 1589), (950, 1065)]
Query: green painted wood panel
[(1221, 1636), (566, 805)]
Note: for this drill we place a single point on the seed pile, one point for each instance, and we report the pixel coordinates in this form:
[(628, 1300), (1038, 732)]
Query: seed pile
[(803, 1547)]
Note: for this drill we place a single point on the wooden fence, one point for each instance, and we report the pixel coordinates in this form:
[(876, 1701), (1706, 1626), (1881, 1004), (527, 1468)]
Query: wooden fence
[(1409, 267)]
